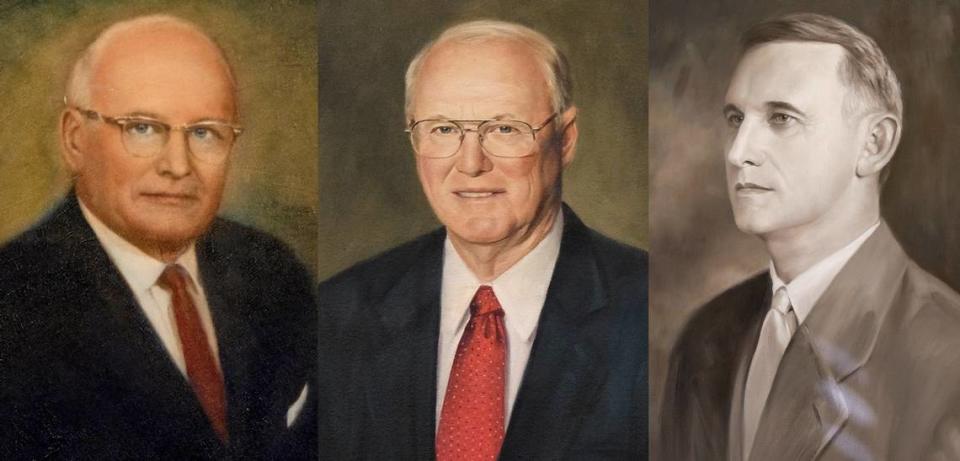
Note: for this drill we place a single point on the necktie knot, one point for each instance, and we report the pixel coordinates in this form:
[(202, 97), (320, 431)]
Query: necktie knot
[(174, 277), (485, 302), (781, 301)]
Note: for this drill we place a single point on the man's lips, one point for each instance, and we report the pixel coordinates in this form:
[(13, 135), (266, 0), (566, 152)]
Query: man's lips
[(477, 193), (170, 197), (748, 187)]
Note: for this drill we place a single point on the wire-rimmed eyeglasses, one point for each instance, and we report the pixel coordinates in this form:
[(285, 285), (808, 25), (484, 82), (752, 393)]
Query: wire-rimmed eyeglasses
[(442, 138)]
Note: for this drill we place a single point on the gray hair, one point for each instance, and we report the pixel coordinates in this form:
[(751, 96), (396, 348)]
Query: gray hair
[(552, 60), (865, 69), (78, 90)]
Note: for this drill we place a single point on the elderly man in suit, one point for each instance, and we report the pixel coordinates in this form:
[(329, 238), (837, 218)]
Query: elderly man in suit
[(514, 330), (845, 348), (134, 324)]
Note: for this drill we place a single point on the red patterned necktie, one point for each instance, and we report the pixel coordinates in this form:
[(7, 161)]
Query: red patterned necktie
[(472, 417), (202, 369)]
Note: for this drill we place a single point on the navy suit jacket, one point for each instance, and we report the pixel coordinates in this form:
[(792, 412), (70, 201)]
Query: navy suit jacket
[(84, 375), (584, 391)]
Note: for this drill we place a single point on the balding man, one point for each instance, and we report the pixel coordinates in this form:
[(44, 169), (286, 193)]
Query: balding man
[(845, 348), (134, 323), (514, 331)]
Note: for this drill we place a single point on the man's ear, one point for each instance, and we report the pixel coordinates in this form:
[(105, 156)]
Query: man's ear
[(881, 143), (72, 140), (568, 135)]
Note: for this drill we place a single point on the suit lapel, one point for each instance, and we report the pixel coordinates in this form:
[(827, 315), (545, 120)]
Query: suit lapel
[(805, 409), (563, 374), (807, 405), (748, 346), (225, 287), (403, 371)]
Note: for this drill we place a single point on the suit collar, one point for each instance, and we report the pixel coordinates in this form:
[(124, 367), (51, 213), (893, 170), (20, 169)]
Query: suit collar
[(807, 405), (110, 326), (845, 322)]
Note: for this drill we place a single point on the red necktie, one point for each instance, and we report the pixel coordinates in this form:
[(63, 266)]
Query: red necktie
[(202, 369), (472, 417)]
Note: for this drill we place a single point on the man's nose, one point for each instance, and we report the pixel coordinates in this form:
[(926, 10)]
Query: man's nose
[(174, 159), (472, 160), (746, 146)]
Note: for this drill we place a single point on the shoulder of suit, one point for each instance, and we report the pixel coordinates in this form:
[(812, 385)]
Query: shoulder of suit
[(231, 239), (618, 256), (931, 313)]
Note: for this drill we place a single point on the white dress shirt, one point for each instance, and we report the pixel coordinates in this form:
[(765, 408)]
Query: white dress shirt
[(521, 290), (141, 272), (805, 290)]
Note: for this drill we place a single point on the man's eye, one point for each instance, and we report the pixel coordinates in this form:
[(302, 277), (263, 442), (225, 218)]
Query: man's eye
[(205, 133), (444, 130), (734, 120), (141, 128), (781, 119), (505, 129)]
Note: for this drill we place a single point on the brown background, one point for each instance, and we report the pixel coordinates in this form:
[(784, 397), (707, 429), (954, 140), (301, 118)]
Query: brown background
[(272, 45), (696, 249), (369, 193)]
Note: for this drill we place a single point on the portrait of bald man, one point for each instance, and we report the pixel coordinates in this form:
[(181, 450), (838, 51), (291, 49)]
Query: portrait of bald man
[(514, 331), (843, 348), (135, 323)]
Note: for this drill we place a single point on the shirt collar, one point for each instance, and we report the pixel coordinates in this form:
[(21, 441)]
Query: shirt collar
[(521, 290), (139, 269), (805, 290)]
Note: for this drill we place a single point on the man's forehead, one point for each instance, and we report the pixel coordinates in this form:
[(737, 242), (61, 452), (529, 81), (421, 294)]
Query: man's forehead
[(158, 62), (488, 69), (785, 71)]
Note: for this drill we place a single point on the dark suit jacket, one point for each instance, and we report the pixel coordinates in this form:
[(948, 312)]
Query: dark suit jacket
[(84, 375), (584, 391), (872, 373)]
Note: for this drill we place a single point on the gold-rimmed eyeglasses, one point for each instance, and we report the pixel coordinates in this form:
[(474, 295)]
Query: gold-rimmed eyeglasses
[(208, 141), (442, 138)]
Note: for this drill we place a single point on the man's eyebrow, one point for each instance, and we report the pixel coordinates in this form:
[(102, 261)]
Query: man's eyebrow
[(782, 105), (143, 114), (157, 117), (731, 108)]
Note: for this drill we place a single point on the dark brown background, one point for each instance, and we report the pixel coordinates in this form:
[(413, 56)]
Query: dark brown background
[(696, 249), (369, 193), (272, 184)]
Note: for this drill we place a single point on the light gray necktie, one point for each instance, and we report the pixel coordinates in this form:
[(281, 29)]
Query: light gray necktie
[(778, 327)]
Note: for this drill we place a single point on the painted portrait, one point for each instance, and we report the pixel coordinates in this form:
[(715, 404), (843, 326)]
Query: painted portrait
[(159, 237), (487, 296), (839, 343)]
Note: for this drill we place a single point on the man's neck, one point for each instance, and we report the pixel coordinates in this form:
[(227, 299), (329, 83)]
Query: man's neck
[(165, 252), (488, 261), (794, 251)]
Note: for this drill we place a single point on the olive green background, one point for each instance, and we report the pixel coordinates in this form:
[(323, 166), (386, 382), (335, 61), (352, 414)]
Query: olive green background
[(696, 250), (370, 198), (272, 184)]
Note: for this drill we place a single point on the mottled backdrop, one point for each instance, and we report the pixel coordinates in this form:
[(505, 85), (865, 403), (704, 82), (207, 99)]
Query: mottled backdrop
[(696, 249), (273, 47), (369, 194)]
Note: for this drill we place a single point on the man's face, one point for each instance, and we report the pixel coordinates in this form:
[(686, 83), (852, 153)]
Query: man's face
[(166, 200), (480, 198), (791, 151)]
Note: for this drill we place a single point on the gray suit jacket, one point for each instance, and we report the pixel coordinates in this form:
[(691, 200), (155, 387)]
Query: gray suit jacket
[(873, 372)]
